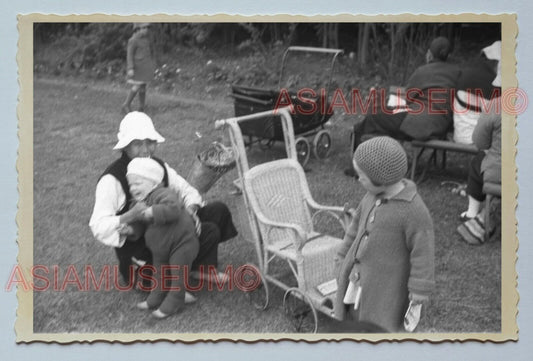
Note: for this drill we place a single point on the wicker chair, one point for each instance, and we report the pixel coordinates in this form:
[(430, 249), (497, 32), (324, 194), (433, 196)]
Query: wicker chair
[(285, 211)]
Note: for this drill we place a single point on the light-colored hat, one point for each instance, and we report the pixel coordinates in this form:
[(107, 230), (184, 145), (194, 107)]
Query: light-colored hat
[(382, 159), (146, 168), (136, 125), (493, 51)]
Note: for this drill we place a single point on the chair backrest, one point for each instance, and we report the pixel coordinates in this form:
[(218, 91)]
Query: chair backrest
[(279, 191)]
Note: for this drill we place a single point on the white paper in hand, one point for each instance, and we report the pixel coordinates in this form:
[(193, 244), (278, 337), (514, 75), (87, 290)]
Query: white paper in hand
[(412, 316)]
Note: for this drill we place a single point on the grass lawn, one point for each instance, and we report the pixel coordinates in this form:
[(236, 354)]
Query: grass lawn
[(75, 126)]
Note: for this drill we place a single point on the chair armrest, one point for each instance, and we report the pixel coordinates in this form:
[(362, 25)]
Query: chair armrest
[(331, 210), (300, 233)]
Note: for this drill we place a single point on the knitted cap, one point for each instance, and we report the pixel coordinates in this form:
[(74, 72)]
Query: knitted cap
[(440, 48), (146, 168), (382, 159)]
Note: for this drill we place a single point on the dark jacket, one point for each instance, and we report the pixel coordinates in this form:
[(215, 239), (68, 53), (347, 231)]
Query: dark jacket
[(429, 92), (141, 58), (172, 225)]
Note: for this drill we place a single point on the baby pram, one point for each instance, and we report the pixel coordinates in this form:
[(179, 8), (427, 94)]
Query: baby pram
[(281, 213), (310, 108)]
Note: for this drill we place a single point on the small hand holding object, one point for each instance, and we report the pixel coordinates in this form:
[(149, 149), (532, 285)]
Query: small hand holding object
[(134, 214), (197, 224), (349, 215), (412, 316), (192, 210)]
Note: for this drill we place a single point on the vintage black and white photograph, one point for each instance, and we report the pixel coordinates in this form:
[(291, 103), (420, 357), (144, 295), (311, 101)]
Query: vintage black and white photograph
[(242, 178)]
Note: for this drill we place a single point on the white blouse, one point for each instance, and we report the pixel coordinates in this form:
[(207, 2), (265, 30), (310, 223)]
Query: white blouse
[(110, 198)]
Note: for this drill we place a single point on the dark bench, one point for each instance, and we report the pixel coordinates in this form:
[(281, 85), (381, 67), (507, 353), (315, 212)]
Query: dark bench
[(436, 145)]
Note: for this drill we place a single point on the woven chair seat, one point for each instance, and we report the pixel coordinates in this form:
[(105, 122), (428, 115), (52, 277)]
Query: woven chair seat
[(281, 202)]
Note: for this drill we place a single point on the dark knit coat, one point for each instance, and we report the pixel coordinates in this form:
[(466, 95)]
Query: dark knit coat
[(172, 225), (141, 57), (429, 91), (389, 247)]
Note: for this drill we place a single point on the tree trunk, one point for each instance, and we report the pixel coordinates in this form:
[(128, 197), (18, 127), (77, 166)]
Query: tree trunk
[(392, 49), (363, 46), (292, 33)]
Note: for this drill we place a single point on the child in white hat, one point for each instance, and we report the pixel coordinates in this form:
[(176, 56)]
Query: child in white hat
[(387, 257), (170, 234)]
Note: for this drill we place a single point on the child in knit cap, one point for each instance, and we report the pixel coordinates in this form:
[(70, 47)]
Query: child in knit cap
[(387, 257), (170, 235)]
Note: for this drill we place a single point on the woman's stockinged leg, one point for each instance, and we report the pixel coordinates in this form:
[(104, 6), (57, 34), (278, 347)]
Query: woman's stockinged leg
[(126, 106), (142, 97)]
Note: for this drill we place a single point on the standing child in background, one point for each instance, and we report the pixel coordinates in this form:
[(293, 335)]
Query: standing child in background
[(141, 64), (387, 258), (170, 234)]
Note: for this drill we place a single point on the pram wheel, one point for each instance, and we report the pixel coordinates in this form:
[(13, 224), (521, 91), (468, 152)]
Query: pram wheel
[(259, 296), (321, 144), (300, 311), (302, 150)]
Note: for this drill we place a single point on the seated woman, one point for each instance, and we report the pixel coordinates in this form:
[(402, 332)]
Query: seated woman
[(428, 100), (137, 137), (485, 167)]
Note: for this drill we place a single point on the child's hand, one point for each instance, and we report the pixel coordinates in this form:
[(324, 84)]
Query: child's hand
[(135, 213), (130, 73), (148, 214), (197, 223), (416, 298), (125, 229), (349, 214)]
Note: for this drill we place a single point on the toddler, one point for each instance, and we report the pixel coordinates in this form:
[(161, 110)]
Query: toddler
[(386, 260), (170, 234)]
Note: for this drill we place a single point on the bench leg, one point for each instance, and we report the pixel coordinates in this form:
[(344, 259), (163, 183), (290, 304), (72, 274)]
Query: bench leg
[(416, 155), (487, 225)]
